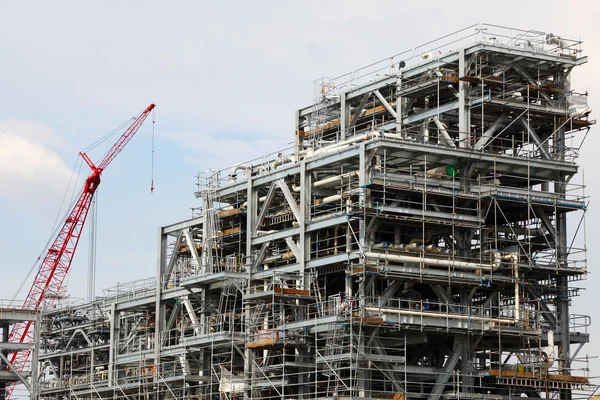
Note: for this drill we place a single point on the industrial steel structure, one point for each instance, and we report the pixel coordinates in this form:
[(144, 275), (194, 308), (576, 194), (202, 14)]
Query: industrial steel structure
[(9, 375), (412, 244)]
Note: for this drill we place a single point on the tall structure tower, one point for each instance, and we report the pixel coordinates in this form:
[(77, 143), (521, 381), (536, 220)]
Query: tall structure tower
[(412, 244)]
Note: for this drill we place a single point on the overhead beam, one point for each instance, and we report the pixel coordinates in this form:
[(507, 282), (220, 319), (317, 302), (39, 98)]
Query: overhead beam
[(394, 378), (545, 221), (260, 256), (464, 112), (453, 91), (290, 199), (265, 206), (173, 316), (358, 111), (443, 133), (443, 295), (16, 371), (192, 314), (174, 256), (385, 103), (192, 245), (488, 301), (432, 112), (536, 139), (547, 314), (487, 135), (442, 378), (523, 72), (79, 330), (294, 247)]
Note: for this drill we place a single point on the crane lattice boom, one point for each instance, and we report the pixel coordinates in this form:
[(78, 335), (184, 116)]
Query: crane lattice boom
[(55, 265)]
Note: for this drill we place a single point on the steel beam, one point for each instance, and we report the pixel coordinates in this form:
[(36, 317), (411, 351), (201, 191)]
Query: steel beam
[(464, 113), (523, 72), (536, 139), (260, 256), (442, 379), (487, 135), (443, 134), (546, 222), (264, 208), (174, 256), (358, 111), (192, 245), (385, 103), (294, 247), (443, 295), (290, 199), (432, 112), (190, 223), (22, 377)]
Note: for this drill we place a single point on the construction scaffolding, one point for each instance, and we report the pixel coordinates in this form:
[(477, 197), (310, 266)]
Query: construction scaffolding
[(412, 244)]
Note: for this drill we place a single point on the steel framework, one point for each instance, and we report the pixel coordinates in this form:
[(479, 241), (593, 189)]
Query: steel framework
[(412, 244)]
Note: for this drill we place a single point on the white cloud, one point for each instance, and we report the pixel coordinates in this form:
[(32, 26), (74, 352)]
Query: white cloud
[(214, 152), (32, 176), (35, 132)]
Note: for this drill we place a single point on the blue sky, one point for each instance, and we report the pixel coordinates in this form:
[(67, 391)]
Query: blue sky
[(226, 78)]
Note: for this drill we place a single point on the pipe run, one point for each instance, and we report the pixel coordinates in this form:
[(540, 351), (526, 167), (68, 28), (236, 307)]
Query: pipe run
[(237, 167), (433, 261), (333, 180), (281, 159), (475, 318)]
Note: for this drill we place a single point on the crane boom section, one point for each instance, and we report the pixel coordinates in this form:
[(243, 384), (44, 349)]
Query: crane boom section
[(54, 267)]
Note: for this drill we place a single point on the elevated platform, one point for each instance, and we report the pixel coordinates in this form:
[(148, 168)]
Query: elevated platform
[(537, 381)]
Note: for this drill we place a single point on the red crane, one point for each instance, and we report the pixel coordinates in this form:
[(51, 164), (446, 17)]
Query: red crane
[(54, 267)]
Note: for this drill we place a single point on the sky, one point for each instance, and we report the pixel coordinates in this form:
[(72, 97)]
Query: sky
[(227, 78)]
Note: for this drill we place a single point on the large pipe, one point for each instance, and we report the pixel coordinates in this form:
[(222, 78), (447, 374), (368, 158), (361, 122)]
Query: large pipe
[(380, 310), (432, 261), (331, 199), (550, 359), (333, 179), (336, 147), (281, 159), (336, 232), (192, 314), (236, 167)]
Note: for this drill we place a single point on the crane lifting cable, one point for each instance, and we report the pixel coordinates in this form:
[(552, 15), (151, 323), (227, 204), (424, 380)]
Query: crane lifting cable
[(55, 266), (152, 173)]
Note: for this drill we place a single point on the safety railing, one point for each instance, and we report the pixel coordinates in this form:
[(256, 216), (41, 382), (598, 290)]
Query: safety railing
[(436, 50), (130, 290), (213, 326), (579, 324), (419, 308), (11, 304)]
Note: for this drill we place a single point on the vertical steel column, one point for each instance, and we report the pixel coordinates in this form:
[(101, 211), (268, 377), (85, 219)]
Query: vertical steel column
[(251, 216), (5, 333), (564, 348), (159, 309), (113, 345), (299, 138), (344, 115), (305, 190), (305, 245), (35, 354), (363, 193), (399, 104), (364, 383), (464, 113)]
